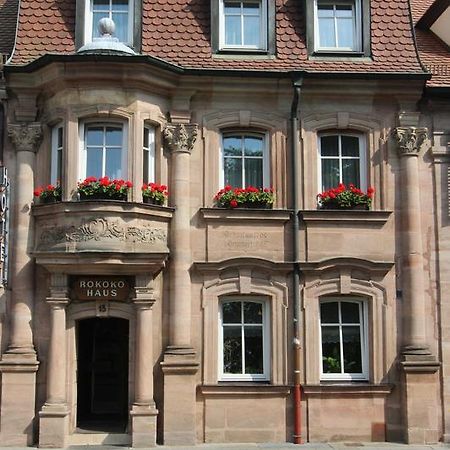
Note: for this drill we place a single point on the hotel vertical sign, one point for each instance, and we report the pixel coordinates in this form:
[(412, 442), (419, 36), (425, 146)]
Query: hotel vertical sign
[(4, 225)]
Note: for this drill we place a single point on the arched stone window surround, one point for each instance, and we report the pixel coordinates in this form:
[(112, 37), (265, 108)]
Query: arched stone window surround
[(276, 128), (344, 283), (375, 142), (245, 276), (87, 310)]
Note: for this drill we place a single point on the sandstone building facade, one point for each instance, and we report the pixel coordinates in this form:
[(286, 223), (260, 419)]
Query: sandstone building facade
[(131, 323)]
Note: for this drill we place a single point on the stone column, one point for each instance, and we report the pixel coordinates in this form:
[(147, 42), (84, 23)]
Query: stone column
[(180, 362), (143, 412), (19, 363), (421, 384), (53, 417)]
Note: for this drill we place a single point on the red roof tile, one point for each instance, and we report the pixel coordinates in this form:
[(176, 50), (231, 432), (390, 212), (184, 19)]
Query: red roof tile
[(8, 20), (178, 31), (435, 56), (419, 8)]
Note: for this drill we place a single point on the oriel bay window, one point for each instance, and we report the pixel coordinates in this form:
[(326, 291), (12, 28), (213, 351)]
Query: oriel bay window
[(103, 150), (244, 346), (245, 160), (341, 160), (344, 342)]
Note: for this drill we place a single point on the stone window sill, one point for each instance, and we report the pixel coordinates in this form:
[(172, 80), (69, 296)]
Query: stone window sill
[(347, 389), (240, 389), (211, 214), (345, 215)]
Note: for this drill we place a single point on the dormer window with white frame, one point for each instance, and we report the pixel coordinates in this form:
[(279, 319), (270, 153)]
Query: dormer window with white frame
[(120, 11), (337, 25), (243, 25)]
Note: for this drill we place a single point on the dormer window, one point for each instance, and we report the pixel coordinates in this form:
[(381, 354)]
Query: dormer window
[(120, 11)]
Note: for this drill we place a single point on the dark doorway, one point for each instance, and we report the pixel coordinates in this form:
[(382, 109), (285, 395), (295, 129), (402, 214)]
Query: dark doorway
[(102, 377)]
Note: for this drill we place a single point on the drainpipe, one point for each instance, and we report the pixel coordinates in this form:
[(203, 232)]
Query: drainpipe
[(296, 288)]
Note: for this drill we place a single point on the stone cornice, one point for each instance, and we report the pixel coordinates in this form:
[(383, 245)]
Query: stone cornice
[(25, 137), (180, 137), (410, 140)]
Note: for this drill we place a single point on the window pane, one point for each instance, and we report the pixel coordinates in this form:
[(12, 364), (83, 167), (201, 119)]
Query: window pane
[(329, 145), (250, 8), (254, 172), (326, 33), (345, 33), (232, 146), (94, 136), (325, 11), (352, 349), (58, 165), (233, 30), (350, 146), (253, 146), (350, 171), (252, 312), (233, 171), (100, 5), (121, 21), (350, 312), (330, 350), (145, 177), (94, 162), (232, 350), (253, 349), (330, 173), (231, 312), (329, 312), (120, 5), (60, 137), (113, 167), (344, 11), (232, 8), (113, 137), (251, 31)]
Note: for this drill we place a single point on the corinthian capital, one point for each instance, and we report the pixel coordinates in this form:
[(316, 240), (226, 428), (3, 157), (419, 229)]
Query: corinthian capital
[(25, 137), (410, 139), (181, 137)]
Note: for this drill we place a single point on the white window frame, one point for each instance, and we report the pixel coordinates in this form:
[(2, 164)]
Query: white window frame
[(149, 131), (56, 153), (364, 327), (88, 18), (265, 376), (83, 149), (362, 158), (357, 26), (265, 157), (263, 25)]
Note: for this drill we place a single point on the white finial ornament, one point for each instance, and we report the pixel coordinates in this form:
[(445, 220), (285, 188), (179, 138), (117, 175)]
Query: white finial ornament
[(106, 27)]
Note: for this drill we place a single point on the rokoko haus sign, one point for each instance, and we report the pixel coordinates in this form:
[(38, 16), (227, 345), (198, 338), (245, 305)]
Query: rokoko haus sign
[(101, 288)]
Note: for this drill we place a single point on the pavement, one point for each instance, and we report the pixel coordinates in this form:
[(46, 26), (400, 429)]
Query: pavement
[(286, 446)]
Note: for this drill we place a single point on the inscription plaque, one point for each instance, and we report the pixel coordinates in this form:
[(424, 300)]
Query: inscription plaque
[(101, 288)]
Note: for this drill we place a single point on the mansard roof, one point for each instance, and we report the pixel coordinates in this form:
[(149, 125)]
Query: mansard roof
[(179, 32), (433, 52)]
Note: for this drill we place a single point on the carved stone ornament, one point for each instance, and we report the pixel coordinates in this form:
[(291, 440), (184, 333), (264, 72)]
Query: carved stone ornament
[(181, 137), (25, 137), (102, 230), (410, 139)]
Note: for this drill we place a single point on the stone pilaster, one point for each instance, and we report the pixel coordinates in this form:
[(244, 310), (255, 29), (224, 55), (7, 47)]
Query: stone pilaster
[(418, 364), (53, 417), (180, 362), (19, 363), (143, 412)]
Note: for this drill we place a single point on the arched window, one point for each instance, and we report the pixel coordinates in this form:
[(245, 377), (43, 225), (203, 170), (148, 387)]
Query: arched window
[(103, 150), (342, 159), (245, 159)]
